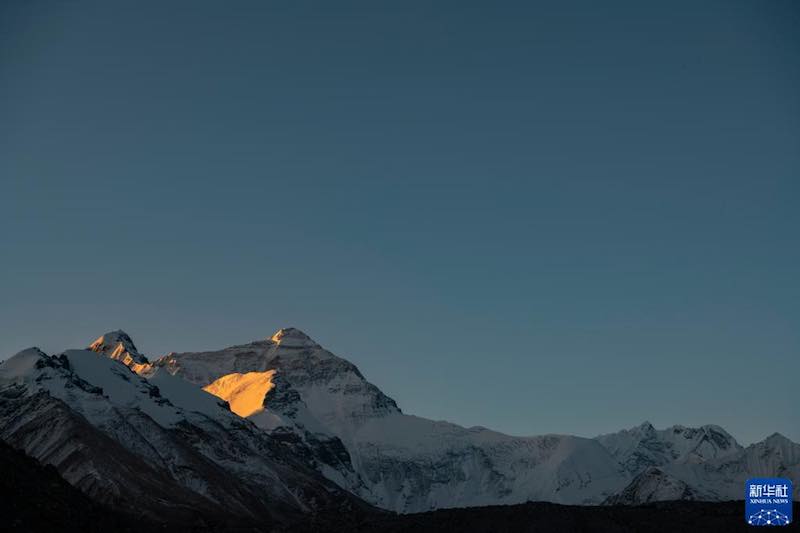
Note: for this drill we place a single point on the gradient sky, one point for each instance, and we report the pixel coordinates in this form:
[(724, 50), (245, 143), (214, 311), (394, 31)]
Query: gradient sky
[(536, 217)]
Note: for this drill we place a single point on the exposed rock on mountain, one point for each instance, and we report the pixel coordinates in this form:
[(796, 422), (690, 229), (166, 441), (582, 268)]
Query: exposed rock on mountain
[(35, 498), (118, 345), (409, 464), (707, 461), (273, 430), (653, 485), (644, 446), (159, 446)]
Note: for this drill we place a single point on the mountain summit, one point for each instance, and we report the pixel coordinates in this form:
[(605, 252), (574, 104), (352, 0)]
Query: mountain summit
[(293, 338), (155, 445), (290, 385), (118, 345), (286, 421)]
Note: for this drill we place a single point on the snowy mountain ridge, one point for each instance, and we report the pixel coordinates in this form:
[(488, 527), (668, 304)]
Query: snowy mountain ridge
[(157, 445), (644, 446), (284, 425), (409, 464)]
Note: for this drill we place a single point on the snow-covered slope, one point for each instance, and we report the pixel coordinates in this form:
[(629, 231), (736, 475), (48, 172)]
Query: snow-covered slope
[(158, 445), (407, 464), (644, 446), (723, 478), (703, 463), (653, 485), (249, 429), (244, 393), (404, 463)]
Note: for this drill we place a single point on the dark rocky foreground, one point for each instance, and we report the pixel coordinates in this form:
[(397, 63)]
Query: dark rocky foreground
[(538, 517), (35, 498)]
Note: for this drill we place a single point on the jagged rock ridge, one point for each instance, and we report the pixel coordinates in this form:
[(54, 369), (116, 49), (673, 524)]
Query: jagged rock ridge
[(157, 446), (142, 435), (409, 464)]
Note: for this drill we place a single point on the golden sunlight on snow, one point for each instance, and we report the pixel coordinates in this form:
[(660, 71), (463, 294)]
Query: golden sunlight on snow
[(244, 392), (143, 369)]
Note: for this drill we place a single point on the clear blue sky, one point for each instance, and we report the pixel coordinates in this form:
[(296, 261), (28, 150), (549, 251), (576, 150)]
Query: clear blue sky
[(536, 217)]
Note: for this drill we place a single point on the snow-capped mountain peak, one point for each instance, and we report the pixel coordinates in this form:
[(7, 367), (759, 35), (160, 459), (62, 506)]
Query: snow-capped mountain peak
[(776, 439), (21, 365), (652, 485), (299, 392), (298, 401), (293, 338), (155, 445), (775, 449), (644, 446), (645, 428), (118, 345)]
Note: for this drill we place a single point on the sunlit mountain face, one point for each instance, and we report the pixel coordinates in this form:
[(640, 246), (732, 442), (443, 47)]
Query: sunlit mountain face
[(118, 346), (245, 393), (153, 444), (300, 403)]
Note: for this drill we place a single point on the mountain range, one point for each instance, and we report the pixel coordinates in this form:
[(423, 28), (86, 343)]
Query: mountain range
[(280, 429)]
